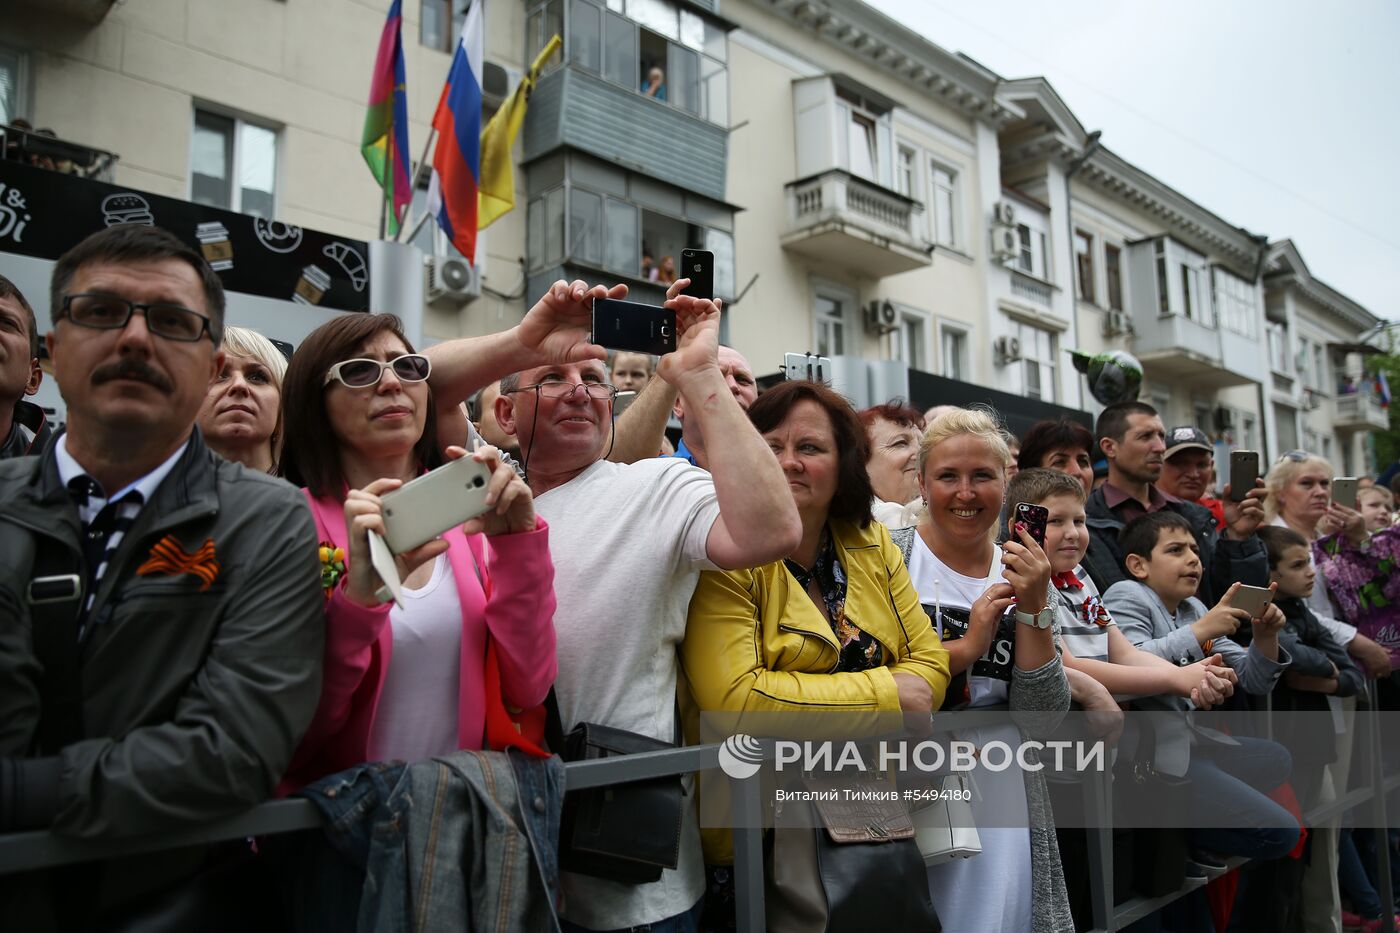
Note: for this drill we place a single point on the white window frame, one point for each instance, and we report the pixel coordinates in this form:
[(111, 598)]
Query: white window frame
[(1122, 250), (1276, 335), (1234, 303), (1093, 284), (1037, 240), (1182, 272), (239, 122), (964, 362), (954, 189), (22, 102), (899, 345), (907, 182), (1047, 371), (848, 300)]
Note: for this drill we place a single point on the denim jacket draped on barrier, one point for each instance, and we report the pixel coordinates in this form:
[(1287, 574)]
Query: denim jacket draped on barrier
[(464, 840)]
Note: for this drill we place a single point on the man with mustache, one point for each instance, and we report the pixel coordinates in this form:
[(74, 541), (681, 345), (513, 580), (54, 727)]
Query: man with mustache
[(23, 427), (1133, 440), (160, 608)]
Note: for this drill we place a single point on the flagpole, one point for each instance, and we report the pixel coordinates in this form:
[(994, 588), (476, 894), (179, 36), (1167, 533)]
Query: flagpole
[(423, 160)]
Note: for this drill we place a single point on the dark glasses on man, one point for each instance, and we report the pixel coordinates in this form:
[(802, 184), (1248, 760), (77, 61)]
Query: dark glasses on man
[(361, 373)]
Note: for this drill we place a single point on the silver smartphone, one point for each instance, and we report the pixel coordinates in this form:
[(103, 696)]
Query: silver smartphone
[(807, 366), (1252, 599), (623, 401), (1344, 491), (424, 508)]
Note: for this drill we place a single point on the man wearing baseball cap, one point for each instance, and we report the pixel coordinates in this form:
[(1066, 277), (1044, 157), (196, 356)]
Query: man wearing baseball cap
[(1188, 468)]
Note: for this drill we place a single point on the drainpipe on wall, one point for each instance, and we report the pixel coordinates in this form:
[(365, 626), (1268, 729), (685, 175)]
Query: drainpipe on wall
[(1265, 398), (1092, 144)]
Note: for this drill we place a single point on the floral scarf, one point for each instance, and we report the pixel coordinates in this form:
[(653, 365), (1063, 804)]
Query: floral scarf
[(859, 651)]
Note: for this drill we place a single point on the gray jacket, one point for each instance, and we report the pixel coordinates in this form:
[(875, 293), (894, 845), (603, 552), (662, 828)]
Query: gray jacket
[(192, 698), (1143, 618)]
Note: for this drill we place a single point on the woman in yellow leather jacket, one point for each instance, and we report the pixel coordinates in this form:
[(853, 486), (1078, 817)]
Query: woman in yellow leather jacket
[(835, 625)]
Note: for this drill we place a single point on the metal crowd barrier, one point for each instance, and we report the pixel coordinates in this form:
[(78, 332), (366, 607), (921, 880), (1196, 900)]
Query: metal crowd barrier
[(35, 850)]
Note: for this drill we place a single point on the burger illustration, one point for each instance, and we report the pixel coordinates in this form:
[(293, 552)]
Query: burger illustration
[(126, 208)]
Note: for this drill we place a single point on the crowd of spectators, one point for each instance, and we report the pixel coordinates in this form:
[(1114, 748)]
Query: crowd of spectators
[(191, 621)]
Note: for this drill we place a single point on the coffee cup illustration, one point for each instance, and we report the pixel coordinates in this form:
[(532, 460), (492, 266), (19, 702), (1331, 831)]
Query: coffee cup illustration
[(214, 244), (312, 286)]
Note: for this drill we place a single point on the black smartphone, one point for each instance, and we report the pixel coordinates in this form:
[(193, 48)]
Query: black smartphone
[(1244, 470), (1034, 517), (698, 265), (630, 325)]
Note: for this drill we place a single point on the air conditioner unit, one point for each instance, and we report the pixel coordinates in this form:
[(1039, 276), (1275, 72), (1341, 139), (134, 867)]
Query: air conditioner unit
[(1116, 323), (1006, 243), (450, 281), (1004, 213), (1007, 350), (1223, 418), (496, 84), (881, 316)]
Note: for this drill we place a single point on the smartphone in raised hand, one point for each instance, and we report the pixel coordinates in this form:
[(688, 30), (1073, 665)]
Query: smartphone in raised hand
[(1035, 518), (630, 325), (1344, 491), (698, 265), (1252, 599), (1244, 470)]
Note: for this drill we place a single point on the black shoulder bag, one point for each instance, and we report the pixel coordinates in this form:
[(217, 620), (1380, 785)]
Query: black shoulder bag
[(621, 832)]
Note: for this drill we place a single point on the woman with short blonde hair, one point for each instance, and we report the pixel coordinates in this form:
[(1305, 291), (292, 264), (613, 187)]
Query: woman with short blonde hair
[(241, 417), (989, 606)]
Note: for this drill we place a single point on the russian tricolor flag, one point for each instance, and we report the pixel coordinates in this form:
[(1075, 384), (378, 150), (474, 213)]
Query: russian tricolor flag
[(457, 158)]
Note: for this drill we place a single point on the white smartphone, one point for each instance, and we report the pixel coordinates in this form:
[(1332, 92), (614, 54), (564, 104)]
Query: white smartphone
[(1344, 491), (807, 366), (1252, 599), (424, 508)]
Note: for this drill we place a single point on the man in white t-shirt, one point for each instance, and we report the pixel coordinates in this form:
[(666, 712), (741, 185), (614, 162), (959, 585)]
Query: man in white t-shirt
[(629, 542)]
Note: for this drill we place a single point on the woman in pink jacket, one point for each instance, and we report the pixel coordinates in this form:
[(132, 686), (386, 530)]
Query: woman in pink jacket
[(407, 682)]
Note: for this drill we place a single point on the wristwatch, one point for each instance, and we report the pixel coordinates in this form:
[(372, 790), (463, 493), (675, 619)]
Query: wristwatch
[(1042, 619)]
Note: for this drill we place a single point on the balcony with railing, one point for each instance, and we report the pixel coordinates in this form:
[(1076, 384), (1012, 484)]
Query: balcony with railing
[(837, 218), (87, 12), (43, 149), (1360, 411)]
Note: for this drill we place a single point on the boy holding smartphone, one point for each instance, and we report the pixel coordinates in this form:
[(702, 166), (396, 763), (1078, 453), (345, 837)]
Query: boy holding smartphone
[(1092, 641), (1160, 613), (1230, 776)]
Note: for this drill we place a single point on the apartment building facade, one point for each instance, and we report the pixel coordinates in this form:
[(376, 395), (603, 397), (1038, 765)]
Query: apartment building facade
[(942, 232)]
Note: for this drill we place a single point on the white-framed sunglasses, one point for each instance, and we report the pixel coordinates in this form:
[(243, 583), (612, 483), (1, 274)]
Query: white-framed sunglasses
[(362, 373)]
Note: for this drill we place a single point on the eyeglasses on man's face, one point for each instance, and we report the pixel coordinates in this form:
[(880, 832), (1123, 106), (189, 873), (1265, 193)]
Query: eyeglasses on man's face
[(363, 373), (109, 312), (558, 389)]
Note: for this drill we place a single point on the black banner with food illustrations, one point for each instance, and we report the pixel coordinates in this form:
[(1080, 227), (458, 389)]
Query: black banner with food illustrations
[(45, 213)]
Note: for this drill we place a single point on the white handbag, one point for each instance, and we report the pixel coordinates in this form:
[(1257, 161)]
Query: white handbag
[(943, 826)]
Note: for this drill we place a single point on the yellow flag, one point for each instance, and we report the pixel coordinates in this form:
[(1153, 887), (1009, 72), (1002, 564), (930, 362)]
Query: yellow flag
[(496, 190)]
